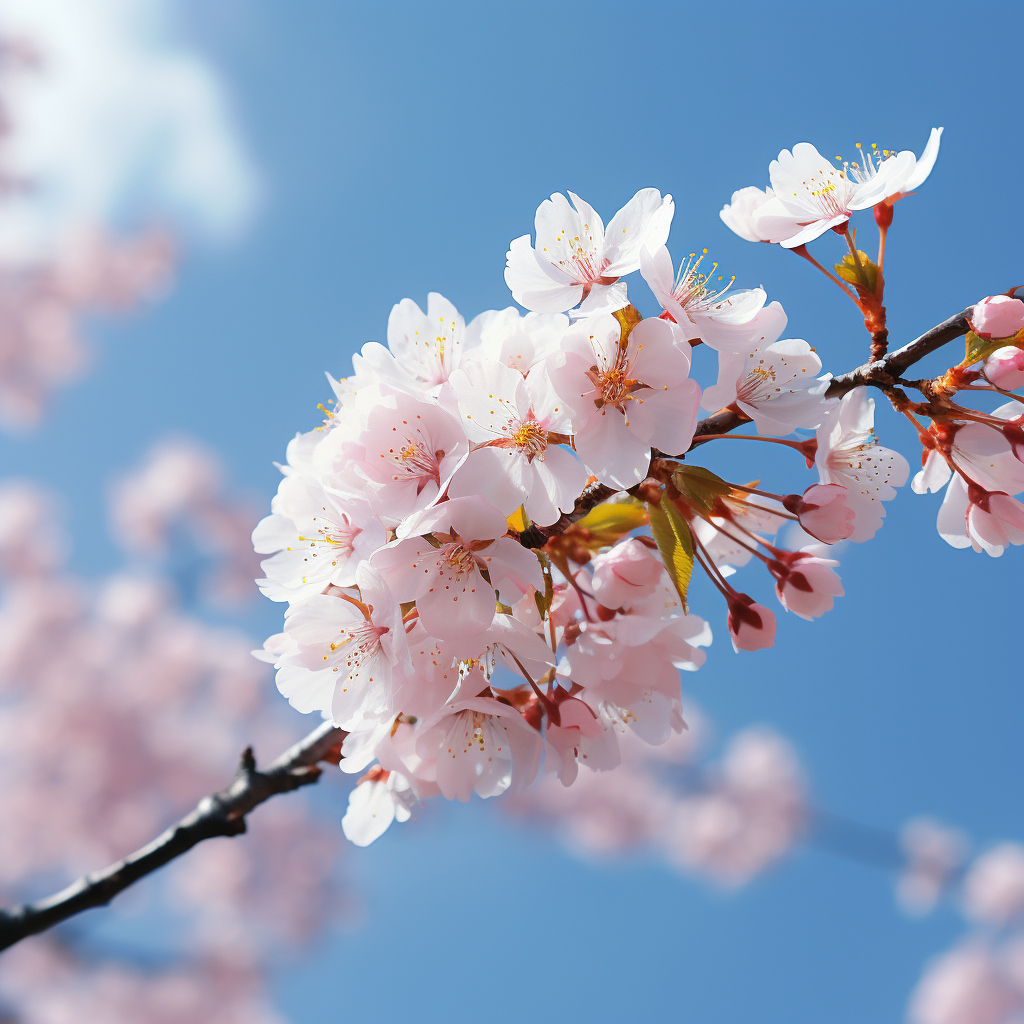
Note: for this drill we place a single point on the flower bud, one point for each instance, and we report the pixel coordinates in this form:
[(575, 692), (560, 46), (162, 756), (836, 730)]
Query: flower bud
[(998, 316), (1005, 367), (751, 625), (823, 512)]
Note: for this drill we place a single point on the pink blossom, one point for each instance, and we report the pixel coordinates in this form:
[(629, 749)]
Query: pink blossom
[(402, 457), (993, 891), (774, 384), (740, 212), (446, 578), (988, 521), (700, 310), (577, 260), (479, 746), (1005, 367), (380, 798), (751, 625), (849, 454), (341, 655), (968, 985), (508, 337), (315, 539), (625, 574), (823, 512), (515, 460), (622, 399), (934, 852), (806, 584), (751, 815), (811, 196), (997, 316), (423, 348)]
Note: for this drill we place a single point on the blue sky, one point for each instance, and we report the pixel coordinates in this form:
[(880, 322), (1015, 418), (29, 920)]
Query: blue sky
[(401, 147)]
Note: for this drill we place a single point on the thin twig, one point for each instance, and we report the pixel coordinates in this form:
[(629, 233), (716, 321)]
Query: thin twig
[(220, 814)]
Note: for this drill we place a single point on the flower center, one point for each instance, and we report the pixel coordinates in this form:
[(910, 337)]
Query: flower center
[(692, 289), (615, 385), (414, 461), (530, 438), (357, 644), (455, 562), (758, 385)]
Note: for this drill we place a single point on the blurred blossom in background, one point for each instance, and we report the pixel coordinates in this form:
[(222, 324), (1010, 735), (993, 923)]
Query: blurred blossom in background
[(206, 204)]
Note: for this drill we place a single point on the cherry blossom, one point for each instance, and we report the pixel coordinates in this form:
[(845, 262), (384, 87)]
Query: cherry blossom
[(625, 575), (314, 540), (457, 552), (774, 384), (401, 459), (902, 172), (423, 348), (751, 625), (849, 455), (993, 891), (516, 424), (805, 584), (577, 259), (934, 854), (1005, 367), (974, 983), (693, 302), (625, 398), (740, 213), (380, 798), (519, 341), (479, 746), (338, 654), (811, 196)]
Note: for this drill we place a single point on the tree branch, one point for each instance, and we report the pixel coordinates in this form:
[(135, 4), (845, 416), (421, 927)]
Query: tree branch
[(883, 373), (220, 814), (223, 813)]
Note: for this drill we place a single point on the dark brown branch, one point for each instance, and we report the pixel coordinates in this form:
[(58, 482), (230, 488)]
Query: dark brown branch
[(220, 814), (884, 373)]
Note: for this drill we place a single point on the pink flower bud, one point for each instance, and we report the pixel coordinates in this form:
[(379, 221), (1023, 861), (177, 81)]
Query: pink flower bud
[(998, 316), (1005, 367), (823, 512), (994, 520), (751, 625), (806, 585), (625, 574)]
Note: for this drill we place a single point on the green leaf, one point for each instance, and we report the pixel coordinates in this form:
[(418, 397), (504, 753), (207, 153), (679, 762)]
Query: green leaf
[(978, 348), (863, 276), (700, 488), (612, 520), (672, 535)]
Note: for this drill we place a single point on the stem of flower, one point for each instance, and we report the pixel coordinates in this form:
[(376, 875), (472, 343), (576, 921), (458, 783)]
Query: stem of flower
[(801, 250)]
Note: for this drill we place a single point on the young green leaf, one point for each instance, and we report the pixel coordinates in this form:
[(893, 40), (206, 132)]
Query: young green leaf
[(672, 535)]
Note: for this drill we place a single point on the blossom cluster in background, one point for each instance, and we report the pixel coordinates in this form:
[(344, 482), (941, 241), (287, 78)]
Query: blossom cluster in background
[(119, 709)]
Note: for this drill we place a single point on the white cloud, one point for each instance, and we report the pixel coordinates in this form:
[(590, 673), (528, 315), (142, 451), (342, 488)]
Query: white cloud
[(121, 120)]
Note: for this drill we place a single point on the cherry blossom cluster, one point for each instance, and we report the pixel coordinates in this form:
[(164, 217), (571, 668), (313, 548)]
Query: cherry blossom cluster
[(486, 549), (981, 979), (119, 708), (44, 295)]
